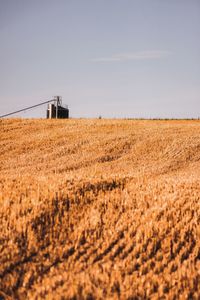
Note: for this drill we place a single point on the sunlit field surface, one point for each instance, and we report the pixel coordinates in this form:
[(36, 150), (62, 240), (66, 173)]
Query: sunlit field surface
[(99, 209)]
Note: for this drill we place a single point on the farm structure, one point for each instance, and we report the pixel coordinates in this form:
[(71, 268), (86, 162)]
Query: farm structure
[(56, 110)]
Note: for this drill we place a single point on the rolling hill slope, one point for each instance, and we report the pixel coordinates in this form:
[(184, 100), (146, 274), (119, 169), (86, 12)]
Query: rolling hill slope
[(99, 209)]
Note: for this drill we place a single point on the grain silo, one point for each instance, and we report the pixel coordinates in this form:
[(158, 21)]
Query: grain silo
[(57, 110)]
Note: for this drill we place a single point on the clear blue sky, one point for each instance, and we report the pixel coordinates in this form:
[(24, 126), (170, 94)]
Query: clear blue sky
[(115, 58)]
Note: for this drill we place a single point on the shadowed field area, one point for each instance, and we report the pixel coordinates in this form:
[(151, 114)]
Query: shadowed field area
[(99, 209)]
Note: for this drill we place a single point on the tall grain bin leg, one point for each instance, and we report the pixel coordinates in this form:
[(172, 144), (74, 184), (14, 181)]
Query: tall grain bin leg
[(50, 111)]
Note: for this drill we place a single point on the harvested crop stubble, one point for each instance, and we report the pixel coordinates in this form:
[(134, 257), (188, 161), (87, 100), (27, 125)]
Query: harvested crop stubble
[(99, 209)]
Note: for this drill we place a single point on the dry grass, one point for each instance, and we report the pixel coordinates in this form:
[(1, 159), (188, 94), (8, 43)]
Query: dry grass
[(95, 209)]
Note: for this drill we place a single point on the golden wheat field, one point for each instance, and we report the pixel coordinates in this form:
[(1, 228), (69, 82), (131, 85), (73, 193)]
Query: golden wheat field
[(99, 209)]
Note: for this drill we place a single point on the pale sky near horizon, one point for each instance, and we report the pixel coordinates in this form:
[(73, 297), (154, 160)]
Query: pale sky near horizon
[(114, 58)]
